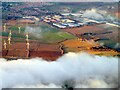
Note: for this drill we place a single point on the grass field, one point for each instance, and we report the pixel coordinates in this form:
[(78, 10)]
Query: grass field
[(42, 33), (51, 34), (15, 28)]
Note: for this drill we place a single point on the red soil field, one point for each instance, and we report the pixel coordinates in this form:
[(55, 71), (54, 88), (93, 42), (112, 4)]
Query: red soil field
[(48, 55), (84, 29), (3, 37), (18, 50), (11, 22)]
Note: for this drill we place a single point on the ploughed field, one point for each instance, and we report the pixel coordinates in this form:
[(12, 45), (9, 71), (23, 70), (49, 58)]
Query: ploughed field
[(19, 50)]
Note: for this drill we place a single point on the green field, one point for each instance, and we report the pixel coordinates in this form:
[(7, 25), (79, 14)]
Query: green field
[(51, 34), (110, 44), (15, 28), (42, 33)]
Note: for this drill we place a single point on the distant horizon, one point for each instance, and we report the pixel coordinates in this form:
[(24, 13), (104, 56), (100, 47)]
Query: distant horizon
[(60, 1)]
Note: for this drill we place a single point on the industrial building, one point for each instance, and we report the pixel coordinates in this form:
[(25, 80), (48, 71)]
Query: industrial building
[(60, 22)]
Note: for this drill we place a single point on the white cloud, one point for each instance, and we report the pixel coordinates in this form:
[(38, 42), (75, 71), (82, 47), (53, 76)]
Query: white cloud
[(79, 70)]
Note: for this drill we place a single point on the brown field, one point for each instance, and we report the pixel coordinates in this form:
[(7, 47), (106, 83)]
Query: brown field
[(11, 22), (87, 46), (101, 31), (84, 29), (18, 50), (3, 37)]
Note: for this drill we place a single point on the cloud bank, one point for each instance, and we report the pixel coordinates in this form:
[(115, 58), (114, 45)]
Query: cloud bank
[(79, 70)]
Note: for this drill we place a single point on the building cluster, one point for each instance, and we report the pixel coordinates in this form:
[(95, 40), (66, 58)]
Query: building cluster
[(28, 20), (34, 18), (60, 21)]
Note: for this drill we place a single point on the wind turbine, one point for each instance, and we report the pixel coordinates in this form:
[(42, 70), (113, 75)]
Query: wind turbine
[(27, 40), (5, 44), (27, 37), (10, 33), (9, 40), (28, 45), (9, 37), (19, 29), (4, 27)]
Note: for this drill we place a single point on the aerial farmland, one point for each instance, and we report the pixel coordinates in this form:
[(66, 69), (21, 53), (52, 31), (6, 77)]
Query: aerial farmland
[(54, 29)]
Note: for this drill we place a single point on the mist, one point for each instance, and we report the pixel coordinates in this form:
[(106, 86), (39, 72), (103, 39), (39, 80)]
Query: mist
[(99, 15), (93, 14), (34, 31), (78, 70)]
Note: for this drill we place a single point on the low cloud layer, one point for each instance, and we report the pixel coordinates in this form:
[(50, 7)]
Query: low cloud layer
[(79, 70)]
